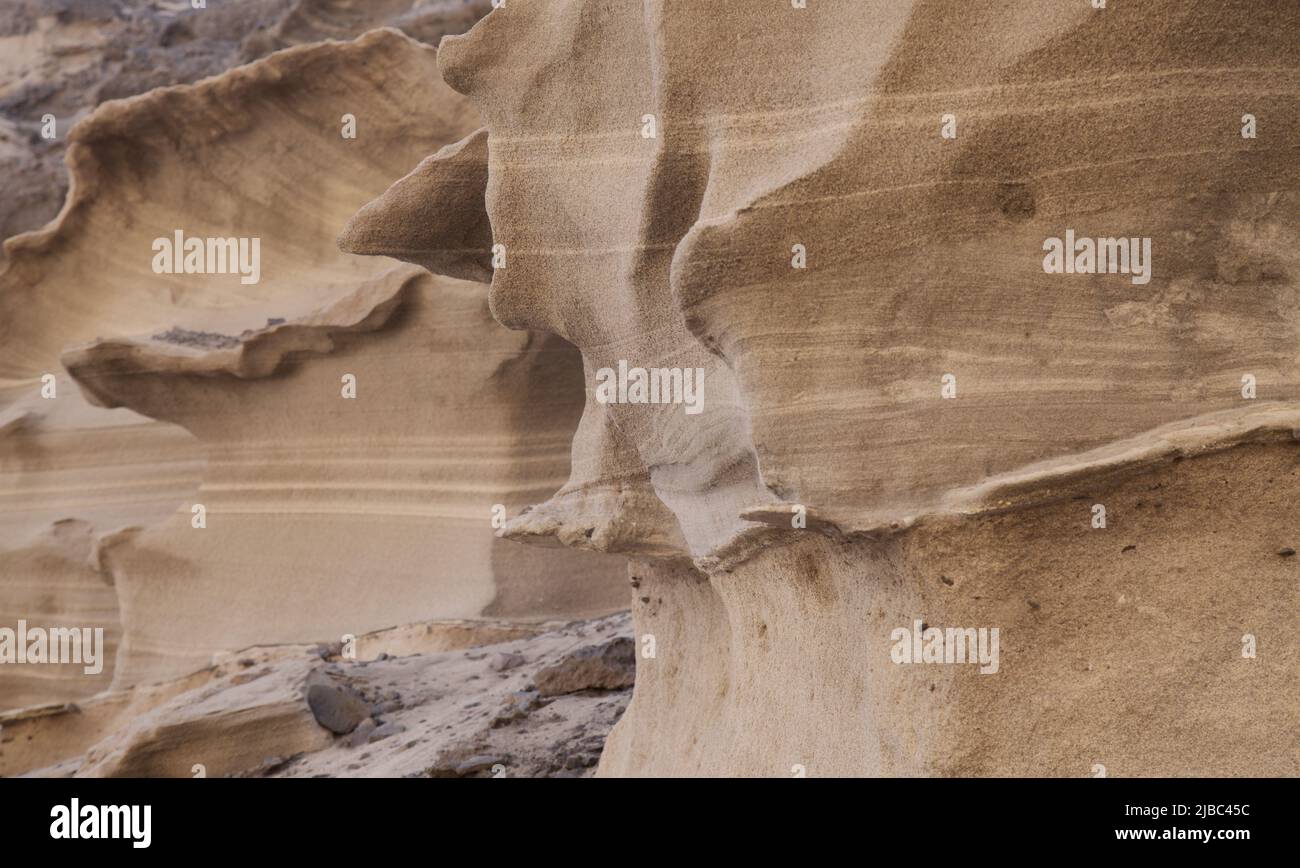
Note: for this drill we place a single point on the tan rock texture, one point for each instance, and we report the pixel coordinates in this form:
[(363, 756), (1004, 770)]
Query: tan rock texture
[(653, 192), (325, 515), (328, 516), (62, 58), (838, 215), (1119, 647)]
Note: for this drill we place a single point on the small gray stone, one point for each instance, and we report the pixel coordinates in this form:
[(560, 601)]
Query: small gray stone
[(336, 707)]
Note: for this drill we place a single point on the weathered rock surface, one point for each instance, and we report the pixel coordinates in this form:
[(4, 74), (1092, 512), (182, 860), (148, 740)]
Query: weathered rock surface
[(838, 216), (65, 57), (611, 666), (66, 587), (1119, 647), (230, 725), (230, 396), (846, 357), (406, 474), (257, 714), (767, 195)]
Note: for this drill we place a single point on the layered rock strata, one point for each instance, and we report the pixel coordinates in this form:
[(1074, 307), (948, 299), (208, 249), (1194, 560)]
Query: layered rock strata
[(843, 217), (314, 446)]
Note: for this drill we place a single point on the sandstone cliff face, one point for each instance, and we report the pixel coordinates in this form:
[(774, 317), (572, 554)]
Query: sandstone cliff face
[(327, 515), (839, 213), (924, 253), (909, 430), (62, 58), (1119, 648), (348, 426)]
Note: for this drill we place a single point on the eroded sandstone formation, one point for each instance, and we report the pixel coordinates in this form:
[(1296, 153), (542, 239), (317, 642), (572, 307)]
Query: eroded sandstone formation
[(896, 426), (348, 426), (62, 58), (840, 214), (327, 515)]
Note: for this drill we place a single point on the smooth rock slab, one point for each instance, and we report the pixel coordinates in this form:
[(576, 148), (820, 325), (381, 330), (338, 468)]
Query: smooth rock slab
[(609, 666)]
